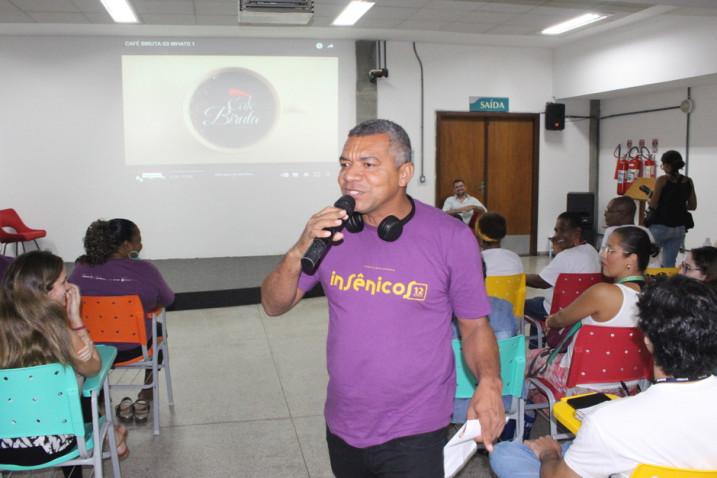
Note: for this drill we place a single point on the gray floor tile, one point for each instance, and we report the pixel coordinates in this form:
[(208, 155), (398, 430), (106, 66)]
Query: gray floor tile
[(312, 439)]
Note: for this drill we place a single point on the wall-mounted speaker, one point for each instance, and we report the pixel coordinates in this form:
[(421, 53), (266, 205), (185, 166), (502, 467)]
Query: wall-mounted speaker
[(554, 116)]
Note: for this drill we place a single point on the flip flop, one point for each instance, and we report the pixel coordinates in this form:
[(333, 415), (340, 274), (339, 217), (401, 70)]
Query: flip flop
[(125, 410), (141, 411)]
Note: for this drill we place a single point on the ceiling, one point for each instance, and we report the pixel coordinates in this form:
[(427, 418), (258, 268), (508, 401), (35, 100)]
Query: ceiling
[(419, 19)]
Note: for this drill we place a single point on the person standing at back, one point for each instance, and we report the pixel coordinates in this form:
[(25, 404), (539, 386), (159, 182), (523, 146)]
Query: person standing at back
[(673, 198)]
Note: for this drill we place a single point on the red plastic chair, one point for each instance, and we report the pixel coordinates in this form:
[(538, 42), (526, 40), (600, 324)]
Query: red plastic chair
[(567, 288), (602, 355), (21, 233)]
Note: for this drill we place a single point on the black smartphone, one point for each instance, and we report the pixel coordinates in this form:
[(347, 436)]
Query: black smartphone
[(587, 400)]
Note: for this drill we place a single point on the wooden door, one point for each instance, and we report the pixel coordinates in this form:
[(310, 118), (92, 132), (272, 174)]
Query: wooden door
[(507, 167), (463, 143)]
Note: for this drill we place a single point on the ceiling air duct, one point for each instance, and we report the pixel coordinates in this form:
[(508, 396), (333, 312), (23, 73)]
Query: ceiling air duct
[(276, 12)]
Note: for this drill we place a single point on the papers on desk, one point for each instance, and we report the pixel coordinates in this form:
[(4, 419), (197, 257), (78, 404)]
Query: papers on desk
[(460, 448), (581, 413)]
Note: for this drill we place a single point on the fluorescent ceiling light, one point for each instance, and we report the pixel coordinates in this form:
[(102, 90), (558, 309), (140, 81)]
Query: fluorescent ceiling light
[(573, 23), (352, 13), (120, 11)]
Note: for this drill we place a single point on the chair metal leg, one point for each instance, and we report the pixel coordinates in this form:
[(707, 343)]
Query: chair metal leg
[(168, 376), (155, 393), (36, 244), (109, 416)]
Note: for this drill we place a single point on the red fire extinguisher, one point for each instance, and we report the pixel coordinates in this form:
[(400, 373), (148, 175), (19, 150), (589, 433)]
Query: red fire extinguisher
[(633, 167), (620, 170), (649, 167)]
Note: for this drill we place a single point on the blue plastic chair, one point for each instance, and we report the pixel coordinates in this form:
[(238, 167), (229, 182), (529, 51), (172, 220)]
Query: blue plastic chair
[(512, 374), (45, 400)]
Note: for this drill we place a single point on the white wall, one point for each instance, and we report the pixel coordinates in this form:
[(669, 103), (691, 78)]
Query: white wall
[(658, 50), (452, 73), (670, 128)]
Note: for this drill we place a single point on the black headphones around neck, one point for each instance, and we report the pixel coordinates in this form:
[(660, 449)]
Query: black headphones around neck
[(389, 229)]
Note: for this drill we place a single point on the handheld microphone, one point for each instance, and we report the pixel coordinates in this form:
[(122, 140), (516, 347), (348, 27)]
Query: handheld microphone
[(321, 245)]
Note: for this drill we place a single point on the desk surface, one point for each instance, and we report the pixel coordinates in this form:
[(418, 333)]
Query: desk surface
[(565, 414)]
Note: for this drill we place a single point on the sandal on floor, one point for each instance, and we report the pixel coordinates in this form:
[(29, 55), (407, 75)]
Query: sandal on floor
[(125, 410), (141, 411)]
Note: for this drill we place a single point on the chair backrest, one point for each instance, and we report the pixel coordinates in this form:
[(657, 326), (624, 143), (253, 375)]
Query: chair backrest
[(40, 400), (512, 368), (10, 218), (608, 355), (510, 288), (115, 319), (569, 286), (651, 471), (661, 271)]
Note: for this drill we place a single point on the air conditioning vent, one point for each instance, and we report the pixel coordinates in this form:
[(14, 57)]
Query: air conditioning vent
[(276, 12)]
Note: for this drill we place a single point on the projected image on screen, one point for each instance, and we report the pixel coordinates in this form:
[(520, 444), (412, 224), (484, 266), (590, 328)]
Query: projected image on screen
[(229, 109)]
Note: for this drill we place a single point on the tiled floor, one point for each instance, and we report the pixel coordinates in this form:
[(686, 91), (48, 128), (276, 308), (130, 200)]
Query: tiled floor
[(249, 392)]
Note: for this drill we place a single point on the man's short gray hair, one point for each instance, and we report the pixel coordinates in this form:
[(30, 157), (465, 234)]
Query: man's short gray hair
[(398, 138)]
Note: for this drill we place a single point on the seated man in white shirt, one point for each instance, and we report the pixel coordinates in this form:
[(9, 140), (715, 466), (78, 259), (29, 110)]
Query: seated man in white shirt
[(620, 211), (461, 204), (498, 261), (670, 424), (572, 256)]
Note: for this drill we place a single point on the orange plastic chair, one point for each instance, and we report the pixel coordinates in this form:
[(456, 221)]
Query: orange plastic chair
[(20, 234), (510, 288), (601, 355), (651, 471), (121, 319), (567, 288)]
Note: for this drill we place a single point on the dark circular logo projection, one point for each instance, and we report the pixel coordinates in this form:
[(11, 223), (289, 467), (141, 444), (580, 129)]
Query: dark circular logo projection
[(233, 108)]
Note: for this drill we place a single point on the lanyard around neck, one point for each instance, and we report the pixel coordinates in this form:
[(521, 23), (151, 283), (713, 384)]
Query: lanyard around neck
[(630, 279)]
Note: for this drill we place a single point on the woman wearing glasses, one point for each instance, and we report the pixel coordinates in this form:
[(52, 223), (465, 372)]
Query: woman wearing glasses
[(701, 264), (673, 198)]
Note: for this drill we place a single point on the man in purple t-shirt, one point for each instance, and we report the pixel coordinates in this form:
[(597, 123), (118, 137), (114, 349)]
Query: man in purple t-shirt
[(389, 357)]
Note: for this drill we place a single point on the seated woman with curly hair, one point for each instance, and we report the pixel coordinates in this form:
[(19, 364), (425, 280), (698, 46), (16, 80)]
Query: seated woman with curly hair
[(111, 267), (40, 323), (701, 264)]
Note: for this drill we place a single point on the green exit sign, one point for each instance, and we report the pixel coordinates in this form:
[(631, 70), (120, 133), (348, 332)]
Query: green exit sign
[(489, 103)]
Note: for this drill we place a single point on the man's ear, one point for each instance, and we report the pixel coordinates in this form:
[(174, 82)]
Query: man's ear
[(405, 173)]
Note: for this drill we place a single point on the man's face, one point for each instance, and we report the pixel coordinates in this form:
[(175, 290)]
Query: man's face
[(564, 237), (612, 215), (369, 173), (459, 189)]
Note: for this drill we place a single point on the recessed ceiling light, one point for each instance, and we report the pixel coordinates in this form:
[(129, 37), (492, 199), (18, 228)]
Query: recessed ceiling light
[(120, 10), (352, 13), (573, 23)]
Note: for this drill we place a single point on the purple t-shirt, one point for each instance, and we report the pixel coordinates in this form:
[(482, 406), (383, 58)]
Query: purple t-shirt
[(389, 356), (5, 262), (124, 277)]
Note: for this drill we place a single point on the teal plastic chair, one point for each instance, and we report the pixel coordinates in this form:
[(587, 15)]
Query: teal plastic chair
[(45, 400), (512, 373)]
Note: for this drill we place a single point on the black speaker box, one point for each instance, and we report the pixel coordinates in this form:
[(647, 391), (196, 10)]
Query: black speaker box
[(584, 205), (554, 116)]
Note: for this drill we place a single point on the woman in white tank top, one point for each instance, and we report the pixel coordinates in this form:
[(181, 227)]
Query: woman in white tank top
[(624, 260)]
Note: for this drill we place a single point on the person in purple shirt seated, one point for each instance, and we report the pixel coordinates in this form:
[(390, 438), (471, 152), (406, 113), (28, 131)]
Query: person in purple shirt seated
[(111, 266), (5, 262), (392, 288)]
